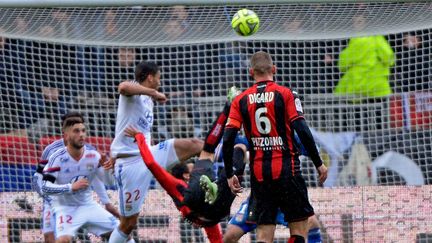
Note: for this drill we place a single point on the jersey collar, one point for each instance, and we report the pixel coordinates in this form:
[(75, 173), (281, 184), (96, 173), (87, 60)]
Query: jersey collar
[(262, 81)]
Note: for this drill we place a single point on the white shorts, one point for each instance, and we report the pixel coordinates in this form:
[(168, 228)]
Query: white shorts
[(48, 219), (133, 177), (68, 219)]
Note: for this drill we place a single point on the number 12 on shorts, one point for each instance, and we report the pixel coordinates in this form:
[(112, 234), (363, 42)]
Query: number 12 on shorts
[(65, 219)]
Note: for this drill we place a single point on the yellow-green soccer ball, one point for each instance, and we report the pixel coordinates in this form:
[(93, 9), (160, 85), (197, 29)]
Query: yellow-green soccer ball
[(245, 22)]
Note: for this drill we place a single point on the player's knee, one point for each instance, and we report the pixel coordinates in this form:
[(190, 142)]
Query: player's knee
[(128, 224), (49, 237), (230, 238), (233, 234), (299, 228), (313, 222)]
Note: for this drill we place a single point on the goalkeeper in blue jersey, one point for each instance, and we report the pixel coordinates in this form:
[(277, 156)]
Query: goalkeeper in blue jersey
[(242, 222)]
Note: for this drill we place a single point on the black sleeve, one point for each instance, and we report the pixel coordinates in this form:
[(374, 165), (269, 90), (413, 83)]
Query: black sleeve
[(306, 138), (228, 150), (48, 177), (39, 168)]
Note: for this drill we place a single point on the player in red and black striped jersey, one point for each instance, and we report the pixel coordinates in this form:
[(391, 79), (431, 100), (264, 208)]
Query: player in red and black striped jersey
[(191, 197), (269, 114)]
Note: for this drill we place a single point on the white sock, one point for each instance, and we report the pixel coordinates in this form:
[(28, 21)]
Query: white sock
[(131, 241), (118, 237)]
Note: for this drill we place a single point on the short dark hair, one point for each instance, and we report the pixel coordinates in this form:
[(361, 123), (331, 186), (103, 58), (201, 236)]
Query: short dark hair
[(71, 121), (261, 63), (71, 114), (179, 169), (144, 69)]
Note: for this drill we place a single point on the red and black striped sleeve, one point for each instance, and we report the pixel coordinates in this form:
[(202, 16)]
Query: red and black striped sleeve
[(294, 106)]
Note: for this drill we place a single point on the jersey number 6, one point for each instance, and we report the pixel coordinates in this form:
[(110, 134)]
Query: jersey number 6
[(262, 122)]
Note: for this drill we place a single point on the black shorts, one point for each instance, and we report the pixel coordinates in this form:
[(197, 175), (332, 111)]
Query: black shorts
[(194, 196), (288, 194)]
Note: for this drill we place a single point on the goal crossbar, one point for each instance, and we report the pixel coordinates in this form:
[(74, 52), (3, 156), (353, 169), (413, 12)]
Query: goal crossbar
[(116, 3)]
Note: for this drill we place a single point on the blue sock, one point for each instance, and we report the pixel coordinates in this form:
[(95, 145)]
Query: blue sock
[(314, 235)]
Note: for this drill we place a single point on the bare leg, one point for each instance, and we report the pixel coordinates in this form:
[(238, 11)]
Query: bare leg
[(233, 234), (299, 228), (187, 147), (49, 237), (64, 239), (265, 233)]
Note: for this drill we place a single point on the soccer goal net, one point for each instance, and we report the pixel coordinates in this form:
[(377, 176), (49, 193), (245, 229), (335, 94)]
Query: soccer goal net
[(362, 70)]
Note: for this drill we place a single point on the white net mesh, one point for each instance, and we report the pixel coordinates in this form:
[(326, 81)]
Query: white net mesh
[(59, 60), (138, 26)]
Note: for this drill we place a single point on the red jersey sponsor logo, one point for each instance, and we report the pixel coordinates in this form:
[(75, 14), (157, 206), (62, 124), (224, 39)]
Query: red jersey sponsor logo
[(88, 156), (267, 143)]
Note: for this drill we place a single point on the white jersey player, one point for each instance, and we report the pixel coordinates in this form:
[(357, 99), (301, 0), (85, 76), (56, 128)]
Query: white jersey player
[(48, 219), (135, 108), (67, 176)]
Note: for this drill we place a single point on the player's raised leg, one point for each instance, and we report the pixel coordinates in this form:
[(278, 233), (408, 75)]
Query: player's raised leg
[(171, 184), (211, 143), (187, 147)]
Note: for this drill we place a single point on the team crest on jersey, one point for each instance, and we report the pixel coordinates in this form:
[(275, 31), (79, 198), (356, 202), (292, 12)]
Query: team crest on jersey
[(148, 116), (67, 170), (298, 105), (90, 167), (64, 159)]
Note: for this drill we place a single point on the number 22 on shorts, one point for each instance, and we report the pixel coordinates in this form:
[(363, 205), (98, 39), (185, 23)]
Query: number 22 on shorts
[(135, 195)]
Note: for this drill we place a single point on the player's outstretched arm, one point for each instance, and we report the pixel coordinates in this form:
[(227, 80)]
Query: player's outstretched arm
[(228, 151), (308, 142), (105, 175), (128, 88), (99, 187), (50, 188)]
